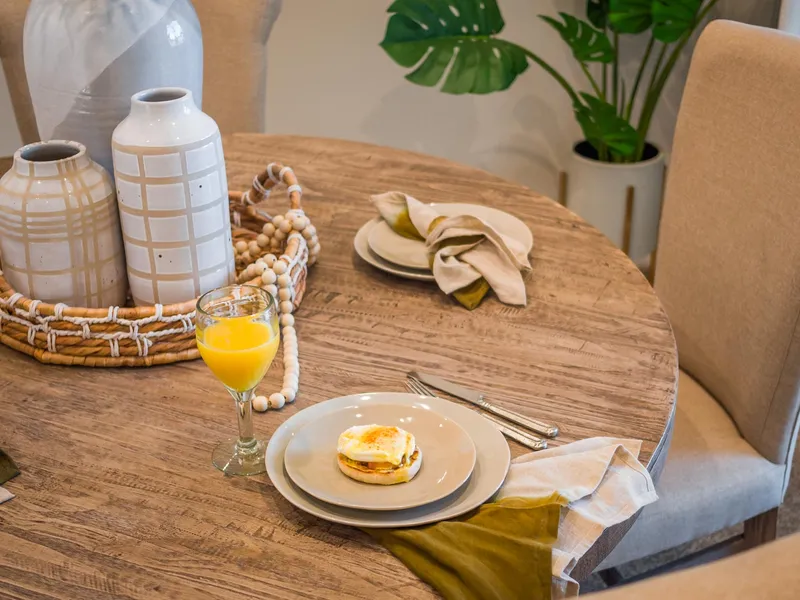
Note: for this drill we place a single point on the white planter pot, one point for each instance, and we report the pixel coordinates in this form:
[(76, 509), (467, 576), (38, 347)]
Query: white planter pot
[(84, 59), (59, 227), (597, 191), (173, 198)]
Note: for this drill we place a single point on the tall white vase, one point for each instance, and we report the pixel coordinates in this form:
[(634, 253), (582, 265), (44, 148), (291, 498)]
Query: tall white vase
[(59, 227), (84, 59), (598, 192), (173, 198)]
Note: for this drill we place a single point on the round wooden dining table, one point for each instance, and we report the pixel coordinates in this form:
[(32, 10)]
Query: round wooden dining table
[(117, 497)]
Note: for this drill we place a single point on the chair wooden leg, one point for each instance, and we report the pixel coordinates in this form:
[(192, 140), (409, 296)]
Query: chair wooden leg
[(611, 577), (761, 529)]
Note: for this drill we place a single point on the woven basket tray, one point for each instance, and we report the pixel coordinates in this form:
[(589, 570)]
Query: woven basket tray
[(156, 335)]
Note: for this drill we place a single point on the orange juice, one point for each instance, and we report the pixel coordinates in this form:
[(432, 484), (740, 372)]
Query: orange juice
[(238, 351)]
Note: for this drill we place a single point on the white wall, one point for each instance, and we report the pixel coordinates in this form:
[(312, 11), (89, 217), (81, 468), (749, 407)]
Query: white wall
[(329, 77), (790, 16), (338, 82)]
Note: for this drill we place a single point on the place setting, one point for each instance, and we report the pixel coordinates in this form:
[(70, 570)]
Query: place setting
[(416, 471), (466, 248), (387, 459)]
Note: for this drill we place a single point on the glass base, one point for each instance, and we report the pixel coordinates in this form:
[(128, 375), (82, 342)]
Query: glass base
[(232, 459)]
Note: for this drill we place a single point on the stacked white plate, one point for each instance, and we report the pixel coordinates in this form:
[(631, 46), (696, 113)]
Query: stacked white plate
[(465, 460), (380, 246)]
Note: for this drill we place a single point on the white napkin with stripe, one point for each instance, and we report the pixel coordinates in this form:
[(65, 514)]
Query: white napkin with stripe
[(500, 260), (605, 484), (5, 495)]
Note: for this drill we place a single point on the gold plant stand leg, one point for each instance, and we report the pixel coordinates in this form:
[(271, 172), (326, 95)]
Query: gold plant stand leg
[(562, 188), (651, 272), (627, 226)]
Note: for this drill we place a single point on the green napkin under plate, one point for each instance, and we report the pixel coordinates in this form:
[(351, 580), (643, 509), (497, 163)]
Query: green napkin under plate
[(7, 468), (501, 551)]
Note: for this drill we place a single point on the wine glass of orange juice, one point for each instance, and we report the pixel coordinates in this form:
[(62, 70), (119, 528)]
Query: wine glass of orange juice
[(238, 337)]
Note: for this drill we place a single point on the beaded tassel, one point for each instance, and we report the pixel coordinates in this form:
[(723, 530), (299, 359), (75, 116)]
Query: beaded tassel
[(276, 277)]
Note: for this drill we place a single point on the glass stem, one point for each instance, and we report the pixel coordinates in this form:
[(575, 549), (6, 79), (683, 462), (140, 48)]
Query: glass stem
[(244, 414)]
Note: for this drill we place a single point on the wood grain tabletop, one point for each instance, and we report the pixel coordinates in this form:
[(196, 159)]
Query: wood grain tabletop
[(118, 498)]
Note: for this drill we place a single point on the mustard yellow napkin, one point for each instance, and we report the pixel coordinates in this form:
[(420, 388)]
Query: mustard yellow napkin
[(502, 551), (7, 467), (7, 470), (468, 256), (507, 548)]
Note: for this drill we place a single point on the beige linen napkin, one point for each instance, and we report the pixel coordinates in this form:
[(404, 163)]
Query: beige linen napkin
[(604, 483), (463, 249)]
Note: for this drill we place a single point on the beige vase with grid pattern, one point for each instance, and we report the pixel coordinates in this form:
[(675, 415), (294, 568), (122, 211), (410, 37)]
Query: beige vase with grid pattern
[(60, 236), (173, 198)]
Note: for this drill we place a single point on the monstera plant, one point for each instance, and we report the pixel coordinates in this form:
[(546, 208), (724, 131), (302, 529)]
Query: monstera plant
[(456, 43)]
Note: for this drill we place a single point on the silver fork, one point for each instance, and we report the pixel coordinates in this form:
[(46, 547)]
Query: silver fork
[(516, 434)]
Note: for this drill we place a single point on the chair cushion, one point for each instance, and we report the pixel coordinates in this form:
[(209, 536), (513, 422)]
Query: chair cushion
[(712, 479)]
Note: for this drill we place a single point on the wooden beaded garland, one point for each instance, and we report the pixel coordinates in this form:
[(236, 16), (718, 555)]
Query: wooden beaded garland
[(292, 237), (260, 403)]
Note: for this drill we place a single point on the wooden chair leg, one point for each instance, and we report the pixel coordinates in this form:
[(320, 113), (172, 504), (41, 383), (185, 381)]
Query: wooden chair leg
[(611, 577), (761, 529)]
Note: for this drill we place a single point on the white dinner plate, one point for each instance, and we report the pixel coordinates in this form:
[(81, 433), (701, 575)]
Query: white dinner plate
[(492, 459), (406, 252), (448, 457), (361, 244)]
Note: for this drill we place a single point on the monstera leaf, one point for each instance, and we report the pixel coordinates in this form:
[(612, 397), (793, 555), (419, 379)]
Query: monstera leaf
[(597, 13), (630, 16), (672, 19), (587, 43), (460, 34), (603, 127)]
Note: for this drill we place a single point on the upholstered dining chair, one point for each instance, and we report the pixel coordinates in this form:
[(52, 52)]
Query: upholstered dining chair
[(766, 572), (235, 34), (728, 274)]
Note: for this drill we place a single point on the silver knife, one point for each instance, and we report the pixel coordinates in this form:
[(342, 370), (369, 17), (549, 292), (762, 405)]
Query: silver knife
[(477, 399), (519, 435), (515, 433)]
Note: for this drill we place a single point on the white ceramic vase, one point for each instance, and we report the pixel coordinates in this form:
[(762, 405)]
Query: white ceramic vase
[(84, 59), (59, 228), (598, 192), (173, 198)]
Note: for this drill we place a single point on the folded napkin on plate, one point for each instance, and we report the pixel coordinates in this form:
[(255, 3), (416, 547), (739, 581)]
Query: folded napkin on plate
[(7, 470), (468, 256), (505, 550)]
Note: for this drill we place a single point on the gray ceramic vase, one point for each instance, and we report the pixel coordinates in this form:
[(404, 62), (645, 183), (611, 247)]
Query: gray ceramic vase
[(84, 59)]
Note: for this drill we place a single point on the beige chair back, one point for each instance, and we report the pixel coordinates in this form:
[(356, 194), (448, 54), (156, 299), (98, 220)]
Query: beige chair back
[(769, 571), (235, 36), (728, 269), (12, 18)]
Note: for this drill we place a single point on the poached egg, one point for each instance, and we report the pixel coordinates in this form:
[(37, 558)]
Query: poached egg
[(376, 444)]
